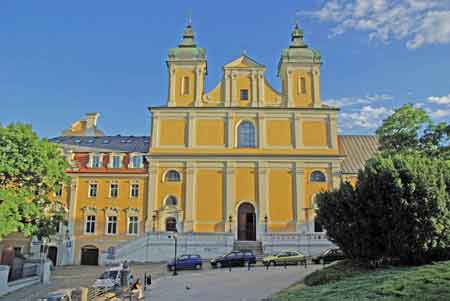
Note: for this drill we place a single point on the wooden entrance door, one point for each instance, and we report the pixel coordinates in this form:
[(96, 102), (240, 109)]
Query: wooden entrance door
[(89, 255), (246, 222)]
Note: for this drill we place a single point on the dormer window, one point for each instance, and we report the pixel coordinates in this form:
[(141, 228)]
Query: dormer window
[(95, 161), (116, 161), (137, 161), (244, 94)]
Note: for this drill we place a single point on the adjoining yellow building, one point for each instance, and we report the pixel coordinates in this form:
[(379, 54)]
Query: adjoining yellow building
[(238, 166)]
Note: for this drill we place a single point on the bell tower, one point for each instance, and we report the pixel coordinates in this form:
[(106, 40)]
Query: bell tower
[(299, 70), (187, 71)]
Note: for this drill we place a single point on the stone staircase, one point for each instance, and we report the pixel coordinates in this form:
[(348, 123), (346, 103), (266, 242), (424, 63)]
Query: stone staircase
[(255, 246)]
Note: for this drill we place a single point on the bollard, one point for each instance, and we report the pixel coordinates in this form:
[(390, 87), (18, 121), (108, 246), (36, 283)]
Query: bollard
[(229, 267), (267, 266), (285, 265), (248, 265), (147, 281)]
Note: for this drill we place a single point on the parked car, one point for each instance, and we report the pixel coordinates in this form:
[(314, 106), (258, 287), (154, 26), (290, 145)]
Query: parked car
[(186, 262), (235, 258), (285, 257), (329, 255), (59, 295), (111, 278)]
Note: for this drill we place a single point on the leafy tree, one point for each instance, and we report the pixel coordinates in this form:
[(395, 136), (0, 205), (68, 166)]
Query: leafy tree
[(31, 169), (410, 129), (400, 208)]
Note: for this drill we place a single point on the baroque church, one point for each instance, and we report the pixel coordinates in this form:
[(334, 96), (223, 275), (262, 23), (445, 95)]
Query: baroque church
[(240, 163)]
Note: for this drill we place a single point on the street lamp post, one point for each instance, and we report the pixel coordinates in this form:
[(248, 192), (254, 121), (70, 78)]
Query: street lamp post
[(153, 222), (230, 221), (265, 223), (175, 238)]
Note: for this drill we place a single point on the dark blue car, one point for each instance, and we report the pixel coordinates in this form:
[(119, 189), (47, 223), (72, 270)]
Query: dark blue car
[(186, 262)]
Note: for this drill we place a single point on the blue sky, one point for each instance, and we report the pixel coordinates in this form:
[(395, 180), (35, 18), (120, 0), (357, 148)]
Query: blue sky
[(61, 59)]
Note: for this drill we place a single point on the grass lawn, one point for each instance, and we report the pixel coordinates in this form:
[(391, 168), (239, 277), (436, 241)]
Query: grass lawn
[(346, 282)]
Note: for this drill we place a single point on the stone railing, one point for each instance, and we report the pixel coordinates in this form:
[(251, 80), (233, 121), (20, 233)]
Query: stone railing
[(310, 244)]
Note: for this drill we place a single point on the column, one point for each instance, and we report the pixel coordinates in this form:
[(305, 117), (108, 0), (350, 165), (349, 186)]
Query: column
[(198, 80), (190, 130), (229, 196), (332, 132), (171, 100), (297, 132), (229, 129), (263, 199), (290, 101), (336, 174), (261, 131), (254, 89), (73, 204), (190, 202), (299, 195), (151, 196), (227, 94), (316, 87), (155, 130), (261, 90), (233, 90)]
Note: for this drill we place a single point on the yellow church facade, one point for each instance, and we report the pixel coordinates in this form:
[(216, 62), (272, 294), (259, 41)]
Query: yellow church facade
[(243, 157)]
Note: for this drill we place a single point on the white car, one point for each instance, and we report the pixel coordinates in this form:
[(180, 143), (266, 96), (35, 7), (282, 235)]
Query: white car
[(111, 278)]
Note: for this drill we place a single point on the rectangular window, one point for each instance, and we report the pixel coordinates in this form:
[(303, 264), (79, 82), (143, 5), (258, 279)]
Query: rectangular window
[(112, 225), (116, 162), (301, 85), (244, 94), (90, 224), (136, 162), (92, 190), (134, 190), (133, 225), (95, 161), (114, 190)]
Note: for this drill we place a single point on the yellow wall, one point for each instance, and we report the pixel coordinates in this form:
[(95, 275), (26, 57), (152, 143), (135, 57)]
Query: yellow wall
[(278, 132), (210, 132), (302, 99), (172, 131), (315, 133), (209, 199), (280, 198), (245, 184)]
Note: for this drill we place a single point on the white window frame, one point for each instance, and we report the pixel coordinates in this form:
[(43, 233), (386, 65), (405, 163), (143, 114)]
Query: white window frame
[(138, 190), (91, 160), (96, 190), (255, 128), (132, 156), (110, 189), (169, 170), (111, 160), (134, 222), (94, 222), (116, 222)]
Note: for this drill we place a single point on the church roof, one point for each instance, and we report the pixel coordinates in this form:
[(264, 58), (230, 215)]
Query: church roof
[(129, 144), (357, 149), (244, 61)]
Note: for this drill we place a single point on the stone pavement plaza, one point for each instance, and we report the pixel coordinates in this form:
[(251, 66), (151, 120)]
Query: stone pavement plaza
[(237, 285)]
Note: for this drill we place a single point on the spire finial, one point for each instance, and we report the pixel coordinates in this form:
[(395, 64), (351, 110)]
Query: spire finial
[(189, 18), (297, 18)]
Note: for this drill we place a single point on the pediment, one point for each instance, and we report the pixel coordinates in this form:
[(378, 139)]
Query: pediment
[(243, 62)]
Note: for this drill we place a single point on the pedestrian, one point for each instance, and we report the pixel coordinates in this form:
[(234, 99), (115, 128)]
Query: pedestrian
[(137, 289)]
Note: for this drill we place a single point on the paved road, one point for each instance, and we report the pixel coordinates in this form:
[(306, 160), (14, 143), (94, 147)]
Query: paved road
[(239, 284)]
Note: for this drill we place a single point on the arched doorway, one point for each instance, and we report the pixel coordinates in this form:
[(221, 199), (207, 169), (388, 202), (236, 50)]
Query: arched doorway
[(246, 222), (89, 255), (52, 254)]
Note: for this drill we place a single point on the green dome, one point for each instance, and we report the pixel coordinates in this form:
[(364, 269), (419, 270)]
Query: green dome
[(187, 49)]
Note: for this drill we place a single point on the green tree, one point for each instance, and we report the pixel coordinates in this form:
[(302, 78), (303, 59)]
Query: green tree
[(400, 208), (31, 169), (410, 129)]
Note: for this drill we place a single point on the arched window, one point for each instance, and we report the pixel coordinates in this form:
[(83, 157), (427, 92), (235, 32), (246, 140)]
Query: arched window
[(171, 224), (172, 176), (185, 86), (171, 201), (317, 176), (246, 135)]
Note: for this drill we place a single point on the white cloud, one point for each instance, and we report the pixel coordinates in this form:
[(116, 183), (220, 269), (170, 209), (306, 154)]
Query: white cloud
[(440, 100), (438, 114), (419, 22), (350, 101), (367, 118)]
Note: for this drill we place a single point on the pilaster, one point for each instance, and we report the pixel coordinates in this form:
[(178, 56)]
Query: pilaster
[(155, 130), (190, 204), (260, 89), (73, 204), (227, 94), (171, 100), (316, 87), (254, 89), (190, 130), (233, 90), (229, 193), (261, 130), (332, 132), (297, 132), (151, 196), (299, 194), (198, 81), (290, 99), (229, 130), (336, 174)]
